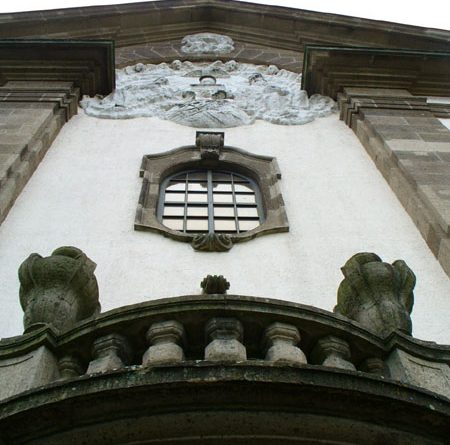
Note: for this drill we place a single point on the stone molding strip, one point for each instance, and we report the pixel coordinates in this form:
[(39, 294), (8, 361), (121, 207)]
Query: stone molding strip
[(32, 113), (411, 148)]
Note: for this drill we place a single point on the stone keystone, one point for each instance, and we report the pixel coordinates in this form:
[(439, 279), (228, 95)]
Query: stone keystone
[(377, 295), (226, 335), (281, 342), (58, 290), (164, 338)]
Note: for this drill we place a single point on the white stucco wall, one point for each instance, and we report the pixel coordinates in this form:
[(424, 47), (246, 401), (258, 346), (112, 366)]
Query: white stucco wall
[(86, 189)]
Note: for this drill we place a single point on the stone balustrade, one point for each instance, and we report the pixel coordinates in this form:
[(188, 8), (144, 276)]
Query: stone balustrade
[(219, 329)]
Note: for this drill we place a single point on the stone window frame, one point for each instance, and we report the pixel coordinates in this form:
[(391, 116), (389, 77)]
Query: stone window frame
[(210, 153)]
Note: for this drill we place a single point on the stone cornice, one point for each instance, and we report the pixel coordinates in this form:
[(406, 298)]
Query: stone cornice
[(328, 70), (89, 65), (279, 27)]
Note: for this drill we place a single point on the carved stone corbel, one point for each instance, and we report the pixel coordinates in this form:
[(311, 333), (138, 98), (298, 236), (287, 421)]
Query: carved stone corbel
[(377, 295), (58, 290), (212, 242), (210, 144)]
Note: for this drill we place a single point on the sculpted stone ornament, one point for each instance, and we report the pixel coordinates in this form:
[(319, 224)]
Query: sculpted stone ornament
[(377, 295), (58, 290), (206, 43), (210, 95), (212, 242), (210, 144), (215, 284)]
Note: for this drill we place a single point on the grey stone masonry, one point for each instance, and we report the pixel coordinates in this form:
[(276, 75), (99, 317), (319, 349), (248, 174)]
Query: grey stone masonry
[(31, 115), (226, 335), (32, 369), (110, 353), (411, 148), (416, 371), (281, 340), (333, 352)]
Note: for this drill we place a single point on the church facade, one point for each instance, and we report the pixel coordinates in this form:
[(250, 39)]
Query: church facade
[(230, 224)]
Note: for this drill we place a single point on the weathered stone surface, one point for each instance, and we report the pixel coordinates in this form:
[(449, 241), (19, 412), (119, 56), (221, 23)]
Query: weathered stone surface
[(281, 342), (70, 366), (417, 371), (376, 294), (226, 335), (164, 338), (58, 290), (110, 352), (210, 95), (36, 368), (373, 365), (333, 352)]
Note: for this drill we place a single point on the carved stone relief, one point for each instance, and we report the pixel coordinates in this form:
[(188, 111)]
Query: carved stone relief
[(207, 43), (210, 95)]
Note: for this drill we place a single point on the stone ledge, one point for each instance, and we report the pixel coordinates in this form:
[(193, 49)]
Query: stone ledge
[(242, 403)]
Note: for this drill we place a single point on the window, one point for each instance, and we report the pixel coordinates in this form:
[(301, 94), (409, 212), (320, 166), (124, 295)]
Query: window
[(210, 195), (210, 201)]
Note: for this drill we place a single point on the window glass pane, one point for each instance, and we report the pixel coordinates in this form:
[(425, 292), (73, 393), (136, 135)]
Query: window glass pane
[(197, 225), (175, 197), (243, 188), (224, 225), (197, 211), (176, 186), (223, 211), (197, 176), (247, 212), (197, 197), (181, 177), (247, 225), (223, 199), (198, 186), (175, 224), (245, 199), (218, 187), (226, 177), (173, 211)]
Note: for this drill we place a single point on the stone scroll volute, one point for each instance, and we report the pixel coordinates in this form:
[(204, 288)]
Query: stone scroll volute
[(58, 290), (376, 294)]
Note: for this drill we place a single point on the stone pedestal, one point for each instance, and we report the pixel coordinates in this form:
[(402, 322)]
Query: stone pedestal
[(36, 368), (430, 375), (281, 341), (164, 338), (226, 336)]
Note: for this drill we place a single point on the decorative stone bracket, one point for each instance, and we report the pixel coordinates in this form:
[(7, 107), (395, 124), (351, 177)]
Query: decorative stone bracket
[(210, 144)]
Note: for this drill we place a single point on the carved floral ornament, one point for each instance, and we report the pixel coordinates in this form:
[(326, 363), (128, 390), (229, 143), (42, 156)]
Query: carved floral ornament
[(209, 95), (211, 153)]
